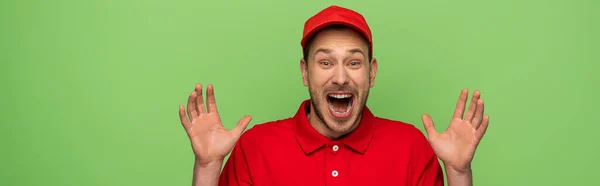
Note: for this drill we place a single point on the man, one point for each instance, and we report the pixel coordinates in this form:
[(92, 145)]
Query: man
[(333, 139)]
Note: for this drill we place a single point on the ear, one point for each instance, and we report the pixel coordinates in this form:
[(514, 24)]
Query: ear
[(373, 71), (304, 70)]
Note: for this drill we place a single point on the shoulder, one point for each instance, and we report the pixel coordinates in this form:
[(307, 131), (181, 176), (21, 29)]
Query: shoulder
[(398, 131), (265, 132), (396, 127), (405, 136)]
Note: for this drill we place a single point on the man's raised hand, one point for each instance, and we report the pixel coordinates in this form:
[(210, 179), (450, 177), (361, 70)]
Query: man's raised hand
[(210, 140), (457, 144)]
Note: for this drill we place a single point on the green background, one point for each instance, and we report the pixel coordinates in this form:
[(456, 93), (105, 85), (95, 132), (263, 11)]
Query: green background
[(90, 89)]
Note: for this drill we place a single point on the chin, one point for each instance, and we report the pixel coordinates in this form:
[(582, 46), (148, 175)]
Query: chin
[(339, 128), (338, 110)]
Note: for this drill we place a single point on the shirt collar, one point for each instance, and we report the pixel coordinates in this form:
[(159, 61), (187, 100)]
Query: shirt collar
[(310, 140)]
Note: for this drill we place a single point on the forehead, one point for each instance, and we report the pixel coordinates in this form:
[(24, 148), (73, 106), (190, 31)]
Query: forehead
[(338, 37)]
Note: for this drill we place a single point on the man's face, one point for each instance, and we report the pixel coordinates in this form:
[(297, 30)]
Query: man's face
[(339, 76)]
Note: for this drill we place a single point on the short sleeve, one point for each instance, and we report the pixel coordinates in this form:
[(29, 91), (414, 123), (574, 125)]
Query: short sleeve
[(236, 171), (424, 168)]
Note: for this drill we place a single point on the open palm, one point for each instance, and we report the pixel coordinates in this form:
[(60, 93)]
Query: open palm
[(210, 140), (456, 146)]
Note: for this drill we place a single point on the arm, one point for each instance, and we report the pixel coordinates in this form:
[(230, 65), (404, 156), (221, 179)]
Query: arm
[(206, 174), (459, 178)]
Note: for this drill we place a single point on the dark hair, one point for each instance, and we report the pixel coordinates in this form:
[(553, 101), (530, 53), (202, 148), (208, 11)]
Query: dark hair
[(330, 27)]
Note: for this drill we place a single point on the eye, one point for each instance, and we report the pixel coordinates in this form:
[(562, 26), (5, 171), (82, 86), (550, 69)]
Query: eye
[(325, 64), (354, 63)]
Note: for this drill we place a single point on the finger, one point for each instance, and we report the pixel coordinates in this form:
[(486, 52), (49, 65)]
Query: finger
[(484, 125), (242, 125), (210, 99), (184, 120), (476, 122), (472, 106), (460, 105), (191, 106), (428, 125), (200, 100)]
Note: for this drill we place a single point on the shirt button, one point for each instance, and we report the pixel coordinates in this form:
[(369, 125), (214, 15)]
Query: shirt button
[(335, 148), (334, 173)]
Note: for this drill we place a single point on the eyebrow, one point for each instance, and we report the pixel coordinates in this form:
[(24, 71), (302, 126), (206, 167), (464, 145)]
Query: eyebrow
[(324, 50), (356, 50), (327, 51)]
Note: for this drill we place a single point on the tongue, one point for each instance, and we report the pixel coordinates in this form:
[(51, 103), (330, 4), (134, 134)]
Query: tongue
[(340, 105)]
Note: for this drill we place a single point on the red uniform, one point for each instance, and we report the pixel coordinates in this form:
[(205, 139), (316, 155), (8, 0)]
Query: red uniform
[(290, 152)]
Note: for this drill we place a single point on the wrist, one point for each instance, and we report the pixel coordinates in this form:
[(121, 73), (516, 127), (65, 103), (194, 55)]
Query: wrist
[(216, 164), (206, 172), (458, 171), (460, 176)]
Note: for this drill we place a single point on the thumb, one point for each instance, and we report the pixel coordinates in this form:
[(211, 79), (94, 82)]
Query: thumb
[(429, 127), (242, 125)]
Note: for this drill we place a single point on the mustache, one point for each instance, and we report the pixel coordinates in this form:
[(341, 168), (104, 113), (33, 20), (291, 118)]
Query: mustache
[(340, 88)]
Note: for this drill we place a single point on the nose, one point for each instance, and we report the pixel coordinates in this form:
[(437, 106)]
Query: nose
[(340, 76)]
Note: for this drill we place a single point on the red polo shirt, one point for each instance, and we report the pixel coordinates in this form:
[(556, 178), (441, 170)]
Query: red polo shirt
[(290, 152)]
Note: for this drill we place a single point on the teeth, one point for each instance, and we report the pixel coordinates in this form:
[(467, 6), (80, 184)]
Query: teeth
[(340, 113), (340, 96)]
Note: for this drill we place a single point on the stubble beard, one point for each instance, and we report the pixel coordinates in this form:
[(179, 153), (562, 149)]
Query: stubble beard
[(350, 124)]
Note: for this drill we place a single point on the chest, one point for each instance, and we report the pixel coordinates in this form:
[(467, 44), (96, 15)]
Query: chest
[(331, 165)]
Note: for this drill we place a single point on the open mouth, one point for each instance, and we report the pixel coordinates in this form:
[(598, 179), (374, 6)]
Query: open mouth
[(340, 104)]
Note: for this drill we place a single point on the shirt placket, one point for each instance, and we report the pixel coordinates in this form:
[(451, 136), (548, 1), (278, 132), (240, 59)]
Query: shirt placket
[(333, 165)]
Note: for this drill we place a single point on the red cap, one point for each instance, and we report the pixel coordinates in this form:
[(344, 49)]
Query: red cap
[(334, 15)]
